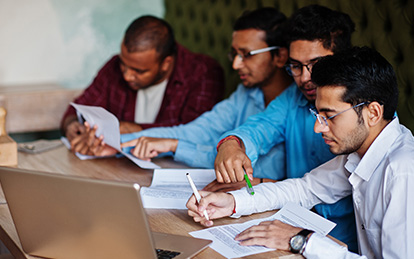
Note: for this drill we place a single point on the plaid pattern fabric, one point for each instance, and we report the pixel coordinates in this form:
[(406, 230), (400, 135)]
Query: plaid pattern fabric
[(195, 86)]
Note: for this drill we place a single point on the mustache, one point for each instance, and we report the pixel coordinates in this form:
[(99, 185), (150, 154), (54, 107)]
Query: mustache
[(308, 85), (327, 138)]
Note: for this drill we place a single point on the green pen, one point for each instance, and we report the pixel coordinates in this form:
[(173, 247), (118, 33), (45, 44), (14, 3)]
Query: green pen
[(249, 186)]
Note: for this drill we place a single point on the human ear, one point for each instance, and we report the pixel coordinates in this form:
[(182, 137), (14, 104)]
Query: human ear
[(375, 113), (281, 59), (167, 63)]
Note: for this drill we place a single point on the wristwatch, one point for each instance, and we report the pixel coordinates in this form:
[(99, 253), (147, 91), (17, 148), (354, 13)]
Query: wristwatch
[(298, 242)]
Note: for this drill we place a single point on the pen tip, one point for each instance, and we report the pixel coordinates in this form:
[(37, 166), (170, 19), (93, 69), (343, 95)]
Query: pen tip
[(187, 173)]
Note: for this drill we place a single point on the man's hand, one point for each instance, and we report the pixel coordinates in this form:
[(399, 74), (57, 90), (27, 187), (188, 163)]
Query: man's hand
[(218, 205), (230, 161), (88, 144), (215, 186), (80, 144), (74, 129), (128, 127), (147, 147), (100, 148), (272, 234)]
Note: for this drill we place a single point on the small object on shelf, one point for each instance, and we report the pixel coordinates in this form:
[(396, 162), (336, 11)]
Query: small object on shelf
[(39, 146), (8, 147)]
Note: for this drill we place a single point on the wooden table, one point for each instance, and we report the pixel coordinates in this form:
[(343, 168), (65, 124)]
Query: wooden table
[(60, 160)]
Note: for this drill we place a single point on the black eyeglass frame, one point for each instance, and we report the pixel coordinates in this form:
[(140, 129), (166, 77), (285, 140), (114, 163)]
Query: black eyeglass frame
[(299, 69)]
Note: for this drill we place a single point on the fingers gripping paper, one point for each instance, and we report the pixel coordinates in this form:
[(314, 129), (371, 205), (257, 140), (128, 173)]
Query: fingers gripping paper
[(108, 127)]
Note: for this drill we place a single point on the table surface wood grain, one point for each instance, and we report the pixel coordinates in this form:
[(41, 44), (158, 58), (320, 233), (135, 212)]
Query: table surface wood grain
[(62, 161)]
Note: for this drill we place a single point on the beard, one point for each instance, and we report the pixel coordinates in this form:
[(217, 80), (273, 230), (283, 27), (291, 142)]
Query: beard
[(353, 141), (309, 91)]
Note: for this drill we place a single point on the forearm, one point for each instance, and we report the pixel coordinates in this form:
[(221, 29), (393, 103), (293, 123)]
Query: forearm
[(126, 127), (262, 131), (270, 196), (195, 155), (314, 188), (67, 118), (255, 141), (65, 124)]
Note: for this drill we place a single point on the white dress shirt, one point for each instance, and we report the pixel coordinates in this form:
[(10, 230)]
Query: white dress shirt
[(382, 186)]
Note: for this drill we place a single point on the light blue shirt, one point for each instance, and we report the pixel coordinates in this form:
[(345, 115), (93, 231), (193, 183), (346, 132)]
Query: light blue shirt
[(198, 139), (287, 120)]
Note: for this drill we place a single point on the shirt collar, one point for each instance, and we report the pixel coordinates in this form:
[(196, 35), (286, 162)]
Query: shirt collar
[(366, 166), (257, 96)]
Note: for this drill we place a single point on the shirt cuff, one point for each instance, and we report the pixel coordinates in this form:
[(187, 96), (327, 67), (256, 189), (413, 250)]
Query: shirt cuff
[(248, 145), (244, 202), (320, 246)]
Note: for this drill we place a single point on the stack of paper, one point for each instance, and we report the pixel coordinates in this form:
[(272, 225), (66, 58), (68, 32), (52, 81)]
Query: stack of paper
[(293, 214), (170, 189)]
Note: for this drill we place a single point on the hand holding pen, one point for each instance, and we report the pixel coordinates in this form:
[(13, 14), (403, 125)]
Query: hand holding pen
[(219, 204), (196, 194)]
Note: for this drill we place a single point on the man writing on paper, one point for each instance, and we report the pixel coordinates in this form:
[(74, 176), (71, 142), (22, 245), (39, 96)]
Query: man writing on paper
[(259, 54), (152, 82), (313, 32), (357, 96)]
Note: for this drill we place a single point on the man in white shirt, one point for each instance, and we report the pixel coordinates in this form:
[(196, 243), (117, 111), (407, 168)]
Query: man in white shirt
[(356, 101)]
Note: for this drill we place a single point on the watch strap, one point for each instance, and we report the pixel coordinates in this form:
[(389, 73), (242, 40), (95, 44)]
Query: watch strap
[(307, 235)]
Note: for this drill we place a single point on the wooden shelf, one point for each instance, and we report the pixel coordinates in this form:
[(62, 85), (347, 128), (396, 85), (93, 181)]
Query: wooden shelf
[(36, 107)]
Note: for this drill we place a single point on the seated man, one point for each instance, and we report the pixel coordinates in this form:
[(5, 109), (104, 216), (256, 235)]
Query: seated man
[(313, 32), (258, 54), (357, 96), (152, 82)]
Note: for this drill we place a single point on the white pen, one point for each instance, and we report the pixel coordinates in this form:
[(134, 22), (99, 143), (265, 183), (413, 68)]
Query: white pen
[(196, 194)]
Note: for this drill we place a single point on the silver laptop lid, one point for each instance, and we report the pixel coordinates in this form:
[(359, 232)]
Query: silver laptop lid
[(61, 216)]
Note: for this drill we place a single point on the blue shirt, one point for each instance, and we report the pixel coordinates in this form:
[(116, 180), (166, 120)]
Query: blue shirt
[(287, 119), (198, 139)]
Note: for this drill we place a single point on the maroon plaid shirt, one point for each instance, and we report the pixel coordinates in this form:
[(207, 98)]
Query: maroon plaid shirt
[(195, 86)]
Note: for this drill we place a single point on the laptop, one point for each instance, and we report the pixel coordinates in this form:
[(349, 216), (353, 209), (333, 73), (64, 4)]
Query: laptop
[(60, 216)]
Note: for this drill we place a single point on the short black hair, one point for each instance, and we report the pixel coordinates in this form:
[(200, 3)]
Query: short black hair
[(267, 19), (148, 32), (366, 75), (315, 22)]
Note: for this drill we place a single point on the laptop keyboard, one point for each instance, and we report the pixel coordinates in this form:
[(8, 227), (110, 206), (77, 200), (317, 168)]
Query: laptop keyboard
[(165, 254)]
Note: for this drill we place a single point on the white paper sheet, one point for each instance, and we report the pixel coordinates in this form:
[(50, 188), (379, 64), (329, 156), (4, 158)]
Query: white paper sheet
[(293, 214), (108, 126), (170, 189)]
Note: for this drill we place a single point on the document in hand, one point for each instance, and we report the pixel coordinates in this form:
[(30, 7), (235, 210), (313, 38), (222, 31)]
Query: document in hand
[(108, 127), (293, 214), (170, 189)]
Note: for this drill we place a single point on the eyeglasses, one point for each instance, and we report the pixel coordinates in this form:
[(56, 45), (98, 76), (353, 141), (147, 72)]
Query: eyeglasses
[(295, 68), (323, 120), (243, 56)]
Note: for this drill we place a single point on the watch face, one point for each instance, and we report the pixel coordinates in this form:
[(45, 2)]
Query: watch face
[(296, 243)]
